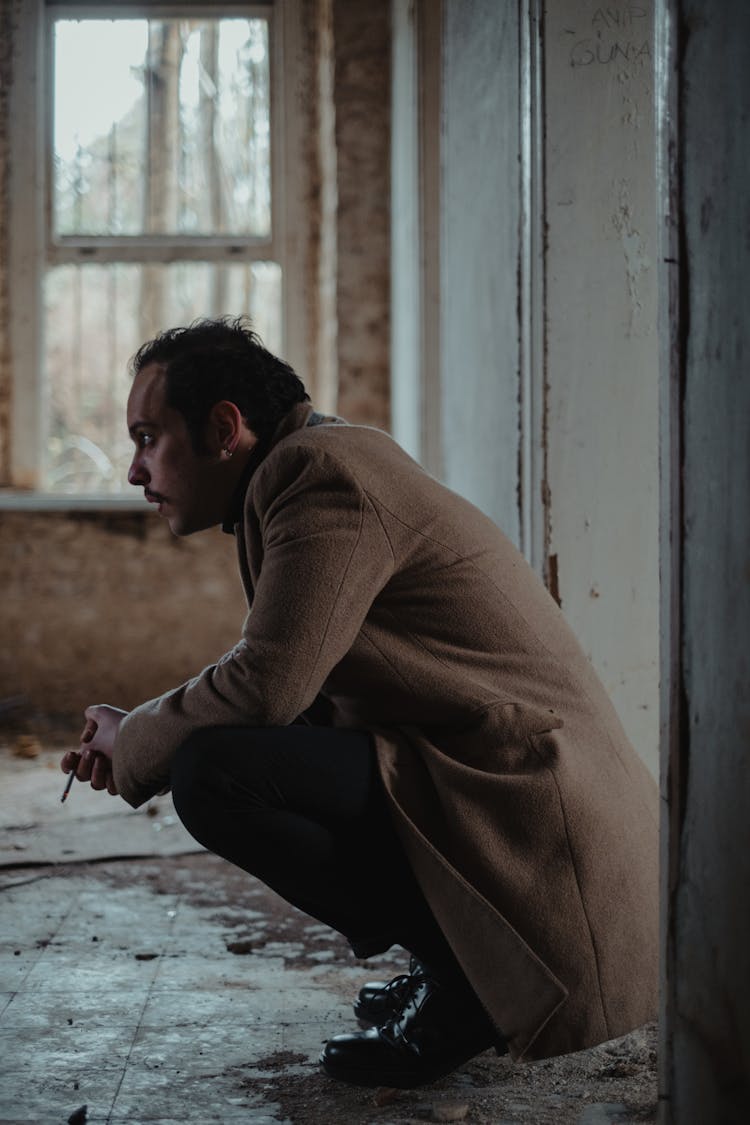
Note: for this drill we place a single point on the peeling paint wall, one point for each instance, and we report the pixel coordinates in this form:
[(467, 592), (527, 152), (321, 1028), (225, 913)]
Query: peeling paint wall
[(602, 472)]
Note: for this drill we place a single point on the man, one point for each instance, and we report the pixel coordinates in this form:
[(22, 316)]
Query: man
[(407, 742)]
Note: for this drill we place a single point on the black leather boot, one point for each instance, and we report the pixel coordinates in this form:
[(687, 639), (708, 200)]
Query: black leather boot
[(438, 1029), (379, 1001)]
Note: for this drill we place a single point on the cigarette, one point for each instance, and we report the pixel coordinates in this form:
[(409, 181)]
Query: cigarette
[(69, 783)]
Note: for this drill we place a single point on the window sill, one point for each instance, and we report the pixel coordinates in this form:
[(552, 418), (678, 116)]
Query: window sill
[(18, 500)]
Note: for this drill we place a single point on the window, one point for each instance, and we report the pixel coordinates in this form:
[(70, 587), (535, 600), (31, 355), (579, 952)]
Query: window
[(156, 159)]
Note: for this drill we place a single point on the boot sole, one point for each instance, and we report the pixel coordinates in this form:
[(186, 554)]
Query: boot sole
[(396, 1081), (398, 1078)]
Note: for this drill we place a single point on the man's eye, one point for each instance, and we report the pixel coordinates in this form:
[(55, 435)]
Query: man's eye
[(145, 439)]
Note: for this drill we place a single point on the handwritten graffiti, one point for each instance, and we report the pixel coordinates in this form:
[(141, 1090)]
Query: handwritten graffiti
[(589, 51), (617, 17), (613, 38)]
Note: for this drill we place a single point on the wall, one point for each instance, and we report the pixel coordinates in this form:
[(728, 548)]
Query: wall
[(456, 203), (110, 608), (361, 92), (9, 15), (707, 779), (601, 345), (479, 256), (539, 215), (107, 606), (416, 229), (407, 350)]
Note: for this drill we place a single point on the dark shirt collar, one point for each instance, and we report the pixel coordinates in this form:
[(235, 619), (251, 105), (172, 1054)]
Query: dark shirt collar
[(236, 504), (298, 417)]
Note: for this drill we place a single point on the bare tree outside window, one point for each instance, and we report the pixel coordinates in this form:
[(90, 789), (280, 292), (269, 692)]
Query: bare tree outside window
[(161, 142)]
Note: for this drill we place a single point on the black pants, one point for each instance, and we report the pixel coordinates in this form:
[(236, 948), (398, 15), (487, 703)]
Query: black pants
[(304, 810)]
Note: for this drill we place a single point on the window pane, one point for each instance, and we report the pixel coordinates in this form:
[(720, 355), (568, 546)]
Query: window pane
[(96, 316), (161, 127)]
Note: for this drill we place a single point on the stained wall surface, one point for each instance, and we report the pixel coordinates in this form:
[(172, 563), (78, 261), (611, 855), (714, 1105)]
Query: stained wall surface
[(602, 361)]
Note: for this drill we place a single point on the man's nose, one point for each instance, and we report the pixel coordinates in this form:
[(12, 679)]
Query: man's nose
[(137, 475)]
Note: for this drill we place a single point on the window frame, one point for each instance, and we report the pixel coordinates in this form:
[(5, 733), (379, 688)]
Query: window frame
[(33, 249)]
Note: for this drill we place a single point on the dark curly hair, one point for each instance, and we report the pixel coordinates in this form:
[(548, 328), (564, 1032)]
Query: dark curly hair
[(212, 360)]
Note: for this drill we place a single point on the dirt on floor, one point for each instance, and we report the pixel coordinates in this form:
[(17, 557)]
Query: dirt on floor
[(250, 921), (489, 1090)]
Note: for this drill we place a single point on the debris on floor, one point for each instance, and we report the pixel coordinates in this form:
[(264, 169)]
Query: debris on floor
[(27, 746), (177, 988)]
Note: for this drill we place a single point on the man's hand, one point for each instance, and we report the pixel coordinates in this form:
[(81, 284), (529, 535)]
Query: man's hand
[(93, 762)]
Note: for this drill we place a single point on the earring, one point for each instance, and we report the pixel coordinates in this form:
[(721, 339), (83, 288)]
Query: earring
[(227, 453)]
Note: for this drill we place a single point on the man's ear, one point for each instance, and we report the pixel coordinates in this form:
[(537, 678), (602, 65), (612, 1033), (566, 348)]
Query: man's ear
[(225, 428)]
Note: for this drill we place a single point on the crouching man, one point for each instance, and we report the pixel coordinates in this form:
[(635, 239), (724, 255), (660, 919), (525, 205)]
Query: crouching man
[(407, 742)]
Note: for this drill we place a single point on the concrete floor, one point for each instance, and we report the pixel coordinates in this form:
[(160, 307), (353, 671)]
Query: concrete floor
[(152, 982)]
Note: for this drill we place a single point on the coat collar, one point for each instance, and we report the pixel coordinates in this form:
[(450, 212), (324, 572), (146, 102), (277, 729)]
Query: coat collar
[(298, 417)]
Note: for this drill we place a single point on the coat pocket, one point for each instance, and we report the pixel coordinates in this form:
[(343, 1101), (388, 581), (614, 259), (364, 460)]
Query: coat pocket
[(501, 738)]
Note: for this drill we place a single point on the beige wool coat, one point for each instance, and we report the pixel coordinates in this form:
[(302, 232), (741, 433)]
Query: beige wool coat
[(529, 820)]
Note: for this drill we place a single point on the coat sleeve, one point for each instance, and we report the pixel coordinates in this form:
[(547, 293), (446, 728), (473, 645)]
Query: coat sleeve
[(325, 558)]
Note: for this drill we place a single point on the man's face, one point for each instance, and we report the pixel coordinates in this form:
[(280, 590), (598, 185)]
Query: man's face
[(190, 488)]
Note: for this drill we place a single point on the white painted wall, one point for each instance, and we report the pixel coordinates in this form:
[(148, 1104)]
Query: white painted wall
[(406, 306), (455, 342), (543, 371), (602, 365), (479, 256)]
